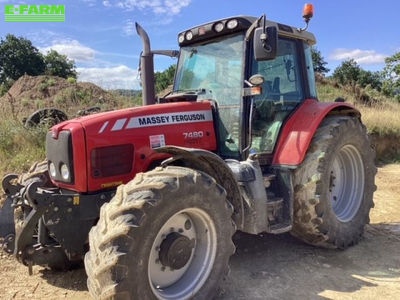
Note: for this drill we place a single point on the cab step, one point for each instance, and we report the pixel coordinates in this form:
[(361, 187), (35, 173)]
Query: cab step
[(274, 207)]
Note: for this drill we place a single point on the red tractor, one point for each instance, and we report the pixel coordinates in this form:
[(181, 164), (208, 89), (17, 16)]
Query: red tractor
[(150, 196)]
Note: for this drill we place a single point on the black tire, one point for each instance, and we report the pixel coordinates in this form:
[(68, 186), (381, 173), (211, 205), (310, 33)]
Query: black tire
[(318, 219), (118, 261), (37, 173)]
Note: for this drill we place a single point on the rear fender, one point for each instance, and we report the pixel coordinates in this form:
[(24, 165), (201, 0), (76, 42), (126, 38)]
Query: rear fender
[(210, 163), (300, 128)]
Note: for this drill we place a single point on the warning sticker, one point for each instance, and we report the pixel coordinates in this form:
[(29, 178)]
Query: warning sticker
[(157, 141)]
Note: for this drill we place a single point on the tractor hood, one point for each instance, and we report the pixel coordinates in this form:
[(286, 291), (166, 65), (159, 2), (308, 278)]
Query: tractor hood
[(121, 143)]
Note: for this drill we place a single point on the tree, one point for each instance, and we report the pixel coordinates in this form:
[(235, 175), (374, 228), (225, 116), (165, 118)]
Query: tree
[(59, 65), (391, 73), (318, 61), (165, 78), (348, 72), (18, 57), (373, 79)]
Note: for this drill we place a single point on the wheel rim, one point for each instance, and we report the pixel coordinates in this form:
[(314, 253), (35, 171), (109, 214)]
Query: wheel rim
[(346, 186), (196, 226)]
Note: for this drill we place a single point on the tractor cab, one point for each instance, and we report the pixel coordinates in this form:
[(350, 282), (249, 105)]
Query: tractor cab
[(217, 60)]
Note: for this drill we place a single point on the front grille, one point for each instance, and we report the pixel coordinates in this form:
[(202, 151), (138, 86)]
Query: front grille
[(112, 160)]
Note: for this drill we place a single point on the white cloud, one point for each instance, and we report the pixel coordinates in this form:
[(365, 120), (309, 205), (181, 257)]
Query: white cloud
[(363, 57), (170, 7), (90, 3), (120, 77), (72, 49), (129, 27)]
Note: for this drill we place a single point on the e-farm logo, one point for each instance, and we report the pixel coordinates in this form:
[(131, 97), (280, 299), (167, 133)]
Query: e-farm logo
[(35, 13)]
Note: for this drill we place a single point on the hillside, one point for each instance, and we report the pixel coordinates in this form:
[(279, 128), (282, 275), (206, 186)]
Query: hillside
[(378, 113)]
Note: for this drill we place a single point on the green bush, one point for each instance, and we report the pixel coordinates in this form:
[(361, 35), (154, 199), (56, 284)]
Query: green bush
[(71, 80)]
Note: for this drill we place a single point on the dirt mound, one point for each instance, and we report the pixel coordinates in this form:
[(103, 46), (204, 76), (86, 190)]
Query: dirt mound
[(29, 93)]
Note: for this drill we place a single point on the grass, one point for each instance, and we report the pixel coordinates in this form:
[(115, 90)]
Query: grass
[(20, 147), (383, 121), (379, 113)]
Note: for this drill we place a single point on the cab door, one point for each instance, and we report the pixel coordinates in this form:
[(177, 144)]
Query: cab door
[(283, 90)]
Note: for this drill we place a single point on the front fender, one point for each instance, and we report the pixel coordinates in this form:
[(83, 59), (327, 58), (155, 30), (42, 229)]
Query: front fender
[(210, 163), (300, 128)]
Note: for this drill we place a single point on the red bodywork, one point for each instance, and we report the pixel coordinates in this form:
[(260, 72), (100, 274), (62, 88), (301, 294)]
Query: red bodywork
[(123, 127), (299, 130), (185, 124)]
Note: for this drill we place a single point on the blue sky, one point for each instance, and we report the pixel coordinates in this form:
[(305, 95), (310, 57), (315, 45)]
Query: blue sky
[(100, 36)]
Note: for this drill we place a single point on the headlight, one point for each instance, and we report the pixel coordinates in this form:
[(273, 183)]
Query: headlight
[(64, 172), (218, 27), (189, 35), (181, 38), (52, 170), (232, 24)]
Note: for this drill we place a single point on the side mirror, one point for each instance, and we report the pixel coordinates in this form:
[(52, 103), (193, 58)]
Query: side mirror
[(265, 43)]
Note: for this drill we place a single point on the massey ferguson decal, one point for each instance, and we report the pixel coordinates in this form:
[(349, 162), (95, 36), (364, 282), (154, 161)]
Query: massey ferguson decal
[(160, 119), (170, 119)]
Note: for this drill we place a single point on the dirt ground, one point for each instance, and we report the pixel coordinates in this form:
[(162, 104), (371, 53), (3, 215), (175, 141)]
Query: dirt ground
[(271, 267)]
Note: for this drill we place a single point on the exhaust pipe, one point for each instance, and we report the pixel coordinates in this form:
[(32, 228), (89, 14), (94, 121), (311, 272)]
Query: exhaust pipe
[(146, 68)]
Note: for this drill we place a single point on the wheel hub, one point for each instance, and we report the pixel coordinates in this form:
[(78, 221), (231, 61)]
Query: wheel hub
[(176, 250), (346, 183), (182, 255)]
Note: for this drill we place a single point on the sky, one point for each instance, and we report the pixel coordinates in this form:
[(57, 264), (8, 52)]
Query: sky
[(99, 35)]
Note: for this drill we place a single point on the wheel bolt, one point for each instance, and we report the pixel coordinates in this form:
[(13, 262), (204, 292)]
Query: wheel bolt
[(180, 230), (163, 269), (188, 224)]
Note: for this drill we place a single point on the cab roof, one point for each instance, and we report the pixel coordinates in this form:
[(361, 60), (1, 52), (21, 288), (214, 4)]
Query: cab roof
[(207, 31)]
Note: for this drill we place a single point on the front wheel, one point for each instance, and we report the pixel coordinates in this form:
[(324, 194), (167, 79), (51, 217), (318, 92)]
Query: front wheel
[(165, 235)]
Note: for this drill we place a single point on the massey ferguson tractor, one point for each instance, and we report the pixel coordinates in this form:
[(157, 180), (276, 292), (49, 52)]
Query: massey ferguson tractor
[(149, 197)]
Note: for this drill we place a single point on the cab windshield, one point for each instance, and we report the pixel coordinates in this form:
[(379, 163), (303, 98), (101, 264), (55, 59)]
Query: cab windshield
[(213, 67), (213, 70)]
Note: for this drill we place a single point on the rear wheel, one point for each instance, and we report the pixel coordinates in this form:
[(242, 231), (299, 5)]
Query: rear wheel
[(165, 235), (334, 185)]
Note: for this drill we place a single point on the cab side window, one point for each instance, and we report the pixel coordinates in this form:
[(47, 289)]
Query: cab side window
[(282, 91), (282, 75)]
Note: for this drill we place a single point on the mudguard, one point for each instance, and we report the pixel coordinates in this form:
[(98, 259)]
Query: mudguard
[(300, 128), (210, 163)]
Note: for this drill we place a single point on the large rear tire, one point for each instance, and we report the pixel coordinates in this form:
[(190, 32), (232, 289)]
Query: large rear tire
[(167, 234), (334, 185)]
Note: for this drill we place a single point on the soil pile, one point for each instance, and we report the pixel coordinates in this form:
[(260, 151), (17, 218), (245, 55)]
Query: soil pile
[(29, 93)]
